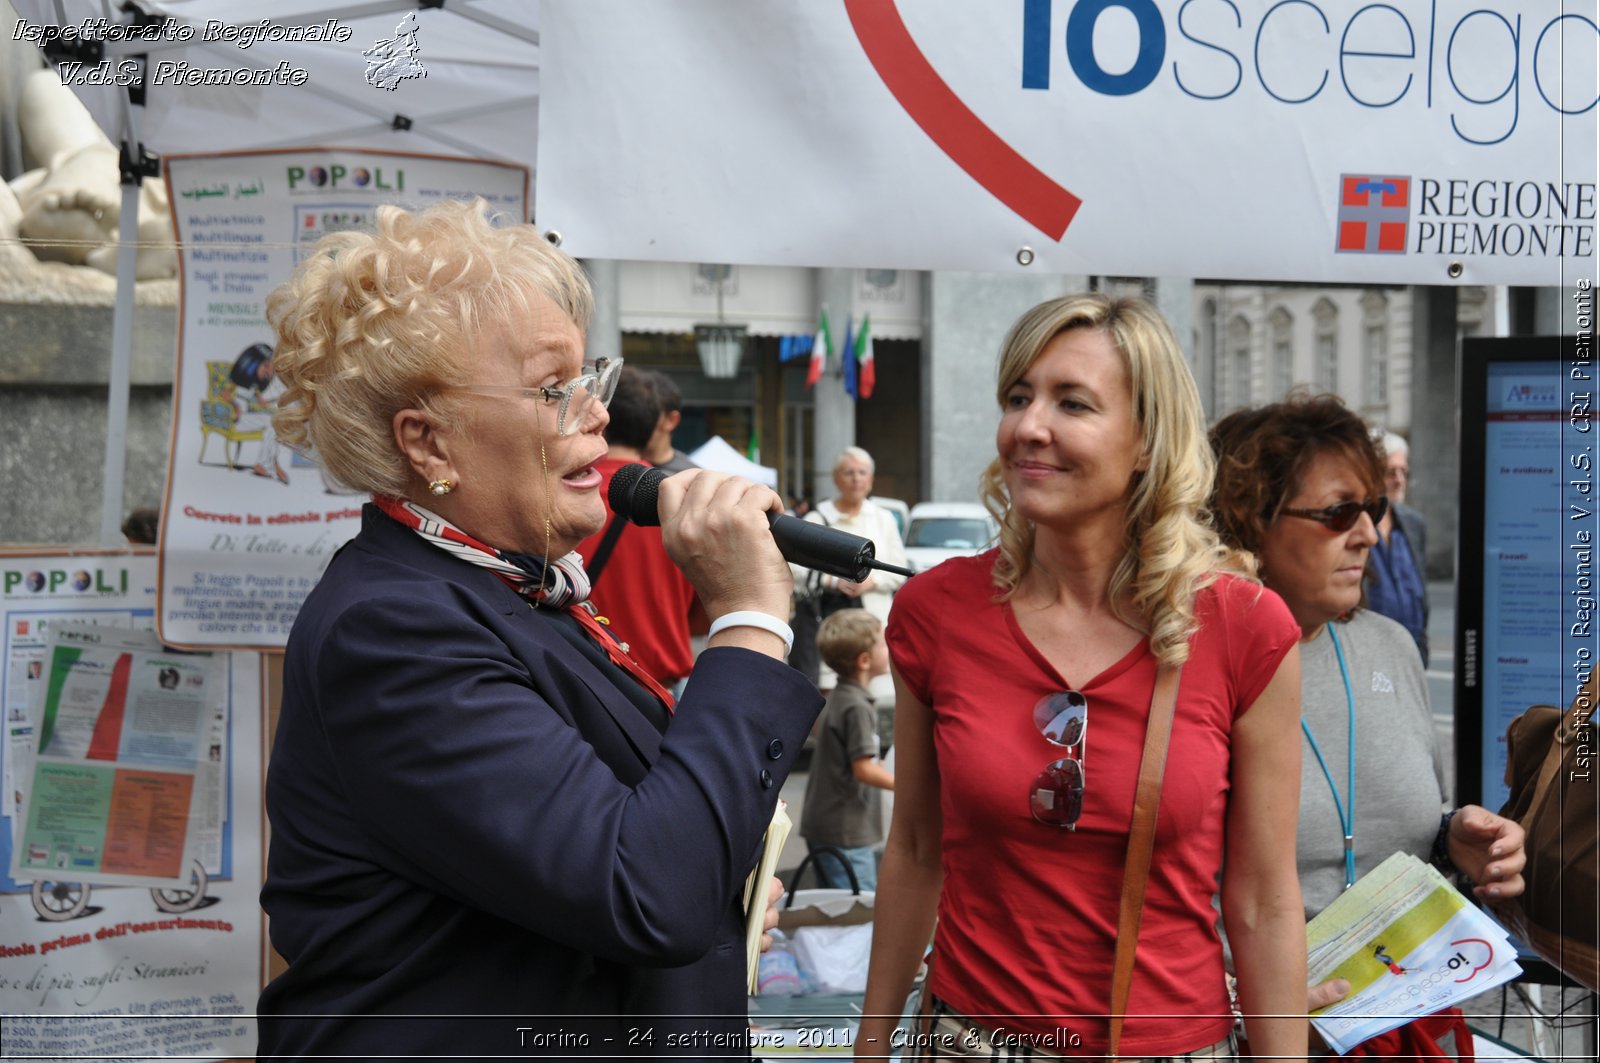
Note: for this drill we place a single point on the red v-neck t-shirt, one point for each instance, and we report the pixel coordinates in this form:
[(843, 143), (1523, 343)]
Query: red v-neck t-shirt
[(1028, 915)]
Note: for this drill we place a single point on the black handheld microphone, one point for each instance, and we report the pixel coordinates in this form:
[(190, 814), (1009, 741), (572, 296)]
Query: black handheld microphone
[(633, 494)]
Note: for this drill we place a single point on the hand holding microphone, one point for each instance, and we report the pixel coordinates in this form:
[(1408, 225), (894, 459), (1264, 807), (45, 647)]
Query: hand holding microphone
[(634, 494), (714, 528)]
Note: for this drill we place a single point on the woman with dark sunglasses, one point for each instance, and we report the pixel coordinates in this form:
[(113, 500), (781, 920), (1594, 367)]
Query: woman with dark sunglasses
[(1024, 679), (1300, 486)]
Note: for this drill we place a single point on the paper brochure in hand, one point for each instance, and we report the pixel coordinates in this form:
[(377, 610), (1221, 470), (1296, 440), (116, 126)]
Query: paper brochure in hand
[(755, 889), (1409, 944)]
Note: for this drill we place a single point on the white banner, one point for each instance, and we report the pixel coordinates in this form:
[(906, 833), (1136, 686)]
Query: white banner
[(248, 525), (95, 970), (1408, 142)]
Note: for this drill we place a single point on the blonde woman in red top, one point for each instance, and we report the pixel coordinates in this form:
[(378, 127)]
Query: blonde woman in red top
[(1014, 832)]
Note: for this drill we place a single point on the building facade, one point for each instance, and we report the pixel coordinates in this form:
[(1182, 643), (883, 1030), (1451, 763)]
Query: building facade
[(1264, 341), (929, 423)]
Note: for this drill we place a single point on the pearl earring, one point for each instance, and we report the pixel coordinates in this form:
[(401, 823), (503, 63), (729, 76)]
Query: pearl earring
[(440, 487)]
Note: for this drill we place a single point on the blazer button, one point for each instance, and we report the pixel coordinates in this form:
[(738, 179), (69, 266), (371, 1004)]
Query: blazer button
[(775, 749), (766, 779)]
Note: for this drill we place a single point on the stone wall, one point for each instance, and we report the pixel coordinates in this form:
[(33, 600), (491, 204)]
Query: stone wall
[(55, 365)]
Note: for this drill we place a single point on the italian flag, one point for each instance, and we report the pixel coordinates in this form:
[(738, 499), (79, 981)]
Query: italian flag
[(820, 349), (868, 373)]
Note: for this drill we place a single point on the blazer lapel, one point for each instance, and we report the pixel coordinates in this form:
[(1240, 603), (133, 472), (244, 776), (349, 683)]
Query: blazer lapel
[(641, 735)]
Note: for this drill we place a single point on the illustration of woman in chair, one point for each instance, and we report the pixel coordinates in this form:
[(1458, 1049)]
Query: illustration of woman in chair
[(252, 371)]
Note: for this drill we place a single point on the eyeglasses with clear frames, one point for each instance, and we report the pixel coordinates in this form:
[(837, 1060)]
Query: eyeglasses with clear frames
[(597, 384)]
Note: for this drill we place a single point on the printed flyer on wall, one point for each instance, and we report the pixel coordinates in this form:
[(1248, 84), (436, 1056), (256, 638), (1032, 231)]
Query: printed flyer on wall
[(120, 740), (248, 525), (130, 831)]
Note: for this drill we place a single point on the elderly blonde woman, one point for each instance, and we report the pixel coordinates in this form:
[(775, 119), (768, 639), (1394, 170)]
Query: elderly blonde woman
[(1024, 678), (821, 596), (489, 829)]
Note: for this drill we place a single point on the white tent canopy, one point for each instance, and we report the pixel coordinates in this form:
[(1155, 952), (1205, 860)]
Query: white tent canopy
[(479, 97), (718, 455)]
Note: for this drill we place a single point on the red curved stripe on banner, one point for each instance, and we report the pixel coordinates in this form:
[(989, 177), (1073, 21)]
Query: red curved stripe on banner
[(950, 124), (106, 740)]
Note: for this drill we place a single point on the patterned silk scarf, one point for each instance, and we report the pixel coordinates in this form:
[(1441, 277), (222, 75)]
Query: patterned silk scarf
[(565, 584)]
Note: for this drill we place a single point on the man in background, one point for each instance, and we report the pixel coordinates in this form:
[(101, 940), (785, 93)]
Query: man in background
[(1397, 575), (644, 596), (660, 452)]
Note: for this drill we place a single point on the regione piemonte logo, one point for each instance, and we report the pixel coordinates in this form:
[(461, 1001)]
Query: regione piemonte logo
[(1374, 214)]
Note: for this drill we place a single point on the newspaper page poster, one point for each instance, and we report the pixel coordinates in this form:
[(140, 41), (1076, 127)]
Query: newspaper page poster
[(141, 934), (248, 525), (119, 738)]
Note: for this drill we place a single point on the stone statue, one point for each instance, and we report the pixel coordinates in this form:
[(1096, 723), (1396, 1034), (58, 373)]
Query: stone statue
[(67, 207)]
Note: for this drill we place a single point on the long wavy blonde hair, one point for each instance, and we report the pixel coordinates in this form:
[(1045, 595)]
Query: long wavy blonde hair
[(1172, 552), (374, 323)]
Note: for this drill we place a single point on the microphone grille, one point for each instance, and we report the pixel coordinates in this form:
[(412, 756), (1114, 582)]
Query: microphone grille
[(633, 493)]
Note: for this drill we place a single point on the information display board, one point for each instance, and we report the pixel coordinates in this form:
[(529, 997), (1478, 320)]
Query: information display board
[(1525, 629)]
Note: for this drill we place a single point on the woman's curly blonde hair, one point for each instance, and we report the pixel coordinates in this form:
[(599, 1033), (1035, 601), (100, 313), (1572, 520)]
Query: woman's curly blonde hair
[(1172, 553), (374, 323)]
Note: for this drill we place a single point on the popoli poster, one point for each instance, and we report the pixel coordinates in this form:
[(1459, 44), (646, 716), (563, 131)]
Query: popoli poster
[(248, 524), (165, 965)]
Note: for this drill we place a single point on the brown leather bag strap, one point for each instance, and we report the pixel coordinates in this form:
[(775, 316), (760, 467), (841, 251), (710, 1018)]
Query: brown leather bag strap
[(1141, 841)]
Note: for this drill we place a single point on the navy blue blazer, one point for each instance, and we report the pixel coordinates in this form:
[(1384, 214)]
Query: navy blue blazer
[(480, 844)]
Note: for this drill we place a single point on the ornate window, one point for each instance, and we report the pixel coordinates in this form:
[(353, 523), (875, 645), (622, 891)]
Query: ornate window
[(1208, 354), (1375, 347), (1238, 363), (1325, 348), (1282, 358)]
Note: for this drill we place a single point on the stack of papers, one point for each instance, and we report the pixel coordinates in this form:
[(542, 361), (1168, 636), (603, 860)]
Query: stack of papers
[(755, 890), (1409, 944)]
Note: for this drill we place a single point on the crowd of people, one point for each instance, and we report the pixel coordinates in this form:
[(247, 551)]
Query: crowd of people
[(502, 786)]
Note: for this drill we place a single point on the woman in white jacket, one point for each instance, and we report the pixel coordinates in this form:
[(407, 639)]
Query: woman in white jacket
[(852, 511)]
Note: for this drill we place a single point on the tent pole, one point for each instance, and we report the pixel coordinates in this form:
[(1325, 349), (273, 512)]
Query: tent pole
[(134, 164), (121, 367)]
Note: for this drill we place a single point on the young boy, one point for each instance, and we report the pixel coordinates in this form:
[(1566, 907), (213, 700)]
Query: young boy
[(843, 803)]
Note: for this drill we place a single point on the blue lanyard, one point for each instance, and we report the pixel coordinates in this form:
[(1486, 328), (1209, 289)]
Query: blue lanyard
[(1347, 819)]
